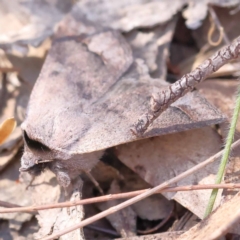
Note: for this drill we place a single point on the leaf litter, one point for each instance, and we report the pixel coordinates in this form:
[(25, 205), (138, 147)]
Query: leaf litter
[(107, 111)]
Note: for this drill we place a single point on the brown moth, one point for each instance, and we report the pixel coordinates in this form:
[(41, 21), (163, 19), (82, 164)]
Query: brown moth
[(86, 99)]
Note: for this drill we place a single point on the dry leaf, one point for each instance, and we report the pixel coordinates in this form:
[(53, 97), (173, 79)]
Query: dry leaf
[(153, 47), (153, 208), (221, 94), (6, 129), (196, 11), (217, 224), (123, 221), (161, 158), (14, 191), (7, 156), (29, 22), (125, 16)]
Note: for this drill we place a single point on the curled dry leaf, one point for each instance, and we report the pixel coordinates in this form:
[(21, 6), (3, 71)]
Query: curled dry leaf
[(6, 128)]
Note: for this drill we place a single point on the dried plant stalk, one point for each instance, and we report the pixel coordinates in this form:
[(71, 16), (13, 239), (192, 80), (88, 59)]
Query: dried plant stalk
[(160, 101), (12, 208)]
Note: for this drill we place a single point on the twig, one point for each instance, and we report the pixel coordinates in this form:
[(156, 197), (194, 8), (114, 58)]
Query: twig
[(9, 205), (94, 181), (225, 156), (215, 22), (139, 197), (162, 100), (11, 208)]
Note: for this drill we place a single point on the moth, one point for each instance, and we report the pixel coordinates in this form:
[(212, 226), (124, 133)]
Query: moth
[(86, 98)]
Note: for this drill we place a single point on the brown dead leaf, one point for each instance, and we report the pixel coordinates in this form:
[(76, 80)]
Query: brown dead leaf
[(8, 155), (221, 94), (125, 16), (29, 22), (228, 21), (14, 191), (6, 129), (217, 224), (153, 46), (161, 158), (153, 208), (196, 11)]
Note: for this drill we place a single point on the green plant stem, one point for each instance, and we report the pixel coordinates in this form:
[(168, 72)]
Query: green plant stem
[(225, 155)]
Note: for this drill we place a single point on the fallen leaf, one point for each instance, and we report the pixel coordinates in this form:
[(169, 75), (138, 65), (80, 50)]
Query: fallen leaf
[(196, 11), (153, 47), (28, 22), (123, 221), (161, 158), (125, 15), (7, 156), (221, 94), (217, 224), (6, 129), (13, 191)]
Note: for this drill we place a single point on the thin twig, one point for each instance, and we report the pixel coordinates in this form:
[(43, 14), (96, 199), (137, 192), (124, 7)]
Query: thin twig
[(8, 205), (161, 100), (139, 197), (11, 208)]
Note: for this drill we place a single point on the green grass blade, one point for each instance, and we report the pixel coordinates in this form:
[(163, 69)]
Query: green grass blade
[(225, 156)]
